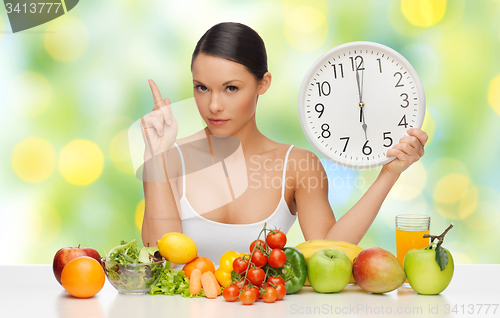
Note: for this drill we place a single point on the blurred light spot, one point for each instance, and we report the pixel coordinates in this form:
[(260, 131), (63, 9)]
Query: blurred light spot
[(66, 39), (442, 167), (487, 213), (398, 21), (139, 214), (468, 202), (33, 159), (423, 13), (429, 126), (30, 94), (119, 152), (451, 188), (410, 184), (81, 162), (494, 94), (306, 26)]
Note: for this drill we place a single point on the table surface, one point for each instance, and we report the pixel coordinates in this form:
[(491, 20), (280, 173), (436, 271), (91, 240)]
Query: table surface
[(32, 291)]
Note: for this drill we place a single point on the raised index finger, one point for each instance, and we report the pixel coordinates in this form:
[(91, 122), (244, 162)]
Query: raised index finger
[(156, 92)]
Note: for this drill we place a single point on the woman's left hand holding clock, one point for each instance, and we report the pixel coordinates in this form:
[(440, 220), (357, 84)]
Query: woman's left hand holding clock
[(409, 150)]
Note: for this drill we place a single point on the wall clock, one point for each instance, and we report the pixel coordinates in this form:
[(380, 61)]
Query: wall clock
[(356, 102)]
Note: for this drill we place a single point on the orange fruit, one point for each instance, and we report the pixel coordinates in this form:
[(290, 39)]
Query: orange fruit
[(204, 264), (83, 277)]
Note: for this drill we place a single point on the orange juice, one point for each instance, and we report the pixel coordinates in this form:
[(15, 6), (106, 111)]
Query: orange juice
[(407, 240)]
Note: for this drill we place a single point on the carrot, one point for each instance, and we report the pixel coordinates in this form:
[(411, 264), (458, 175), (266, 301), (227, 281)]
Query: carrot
[(195, 282), (210, 284)]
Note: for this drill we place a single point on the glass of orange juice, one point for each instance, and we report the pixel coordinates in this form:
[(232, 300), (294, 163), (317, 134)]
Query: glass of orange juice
[(409, 231)]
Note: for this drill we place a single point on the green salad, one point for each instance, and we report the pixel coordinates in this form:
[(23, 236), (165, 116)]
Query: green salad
[(173, 282), (132, 268)]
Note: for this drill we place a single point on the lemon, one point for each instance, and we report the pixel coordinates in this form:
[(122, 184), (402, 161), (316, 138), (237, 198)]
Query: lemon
[(177, 247)]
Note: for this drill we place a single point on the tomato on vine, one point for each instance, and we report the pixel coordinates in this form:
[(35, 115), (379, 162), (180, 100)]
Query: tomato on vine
[(276, 280), (248, 297), (276, 239), (260, 243), (281, 290), (270, 295), (256, 275), (259, 259), (277, 258), (255, 289), (231, 293), (240, 265)]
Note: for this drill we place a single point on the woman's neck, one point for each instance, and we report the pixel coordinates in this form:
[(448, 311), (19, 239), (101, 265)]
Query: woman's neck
[(250, 137)]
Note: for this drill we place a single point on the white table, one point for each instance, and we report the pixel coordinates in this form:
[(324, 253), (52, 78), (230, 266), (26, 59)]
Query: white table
[(32, 291)]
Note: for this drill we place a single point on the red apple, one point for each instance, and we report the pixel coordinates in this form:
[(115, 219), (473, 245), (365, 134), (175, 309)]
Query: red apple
[(67, 254), (378, 271)]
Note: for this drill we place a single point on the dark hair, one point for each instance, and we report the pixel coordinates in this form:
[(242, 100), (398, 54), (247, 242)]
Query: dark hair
[(235, 42)]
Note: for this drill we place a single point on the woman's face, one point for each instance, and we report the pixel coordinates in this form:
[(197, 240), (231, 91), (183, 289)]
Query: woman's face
[(226, 93)]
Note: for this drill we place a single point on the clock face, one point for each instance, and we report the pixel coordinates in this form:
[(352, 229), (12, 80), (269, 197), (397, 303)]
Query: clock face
[(356, 102)]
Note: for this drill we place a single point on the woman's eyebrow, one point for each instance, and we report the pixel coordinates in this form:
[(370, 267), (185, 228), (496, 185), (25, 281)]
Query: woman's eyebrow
[(235, 80), (231, 81)]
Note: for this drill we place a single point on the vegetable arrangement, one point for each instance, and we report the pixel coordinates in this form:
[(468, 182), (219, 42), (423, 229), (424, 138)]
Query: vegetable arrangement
[(269, 272)]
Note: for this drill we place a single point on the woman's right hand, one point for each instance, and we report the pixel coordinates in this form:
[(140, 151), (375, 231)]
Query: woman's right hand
[(159, 128)]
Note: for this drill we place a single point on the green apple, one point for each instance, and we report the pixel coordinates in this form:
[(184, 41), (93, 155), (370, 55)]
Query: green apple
[(329, 270), (423, 272)]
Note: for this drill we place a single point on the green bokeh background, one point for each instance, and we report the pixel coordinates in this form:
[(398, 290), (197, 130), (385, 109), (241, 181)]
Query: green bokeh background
[(84, 77)]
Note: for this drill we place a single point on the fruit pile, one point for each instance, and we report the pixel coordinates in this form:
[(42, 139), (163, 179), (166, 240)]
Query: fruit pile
[(79, 271), (331, 264), (268, 272)]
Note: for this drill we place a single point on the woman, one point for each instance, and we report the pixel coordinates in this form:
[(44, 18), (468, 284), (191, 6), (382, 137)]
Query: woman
[(229, 68)]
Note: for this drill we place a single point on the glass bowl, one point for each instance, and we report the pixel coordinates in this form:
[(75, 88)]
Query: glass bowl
[(133, 278)]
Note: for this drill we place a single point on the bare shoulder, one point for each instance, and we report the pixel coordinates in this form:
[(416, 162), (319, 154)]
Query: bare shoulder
[(304, 160)]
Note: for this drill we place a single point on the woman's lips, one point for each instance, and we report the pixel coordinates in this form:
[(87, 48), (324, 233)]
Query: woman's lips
[(218, 121)]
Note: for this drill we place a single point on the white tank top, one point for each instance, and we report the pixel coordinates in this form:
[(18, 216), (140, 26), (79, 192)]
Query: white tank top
[(214, 238)]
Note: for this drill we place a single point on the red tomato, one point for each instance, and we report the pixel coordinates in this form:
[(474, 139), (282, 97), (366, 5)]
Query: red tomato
[(248, 297), (255, 289), (231, 293), (259, 259), (277, 258), (276, 239), (270, 295), (239, 283), (261, 243), (256, 275), (281, 290), (276, 280), (239, 265)]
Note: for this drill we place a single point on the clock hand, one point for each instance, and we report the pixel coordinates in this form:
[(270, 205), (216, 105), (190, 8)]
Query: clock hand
[(359, 87), (361, 104), (364, 124)]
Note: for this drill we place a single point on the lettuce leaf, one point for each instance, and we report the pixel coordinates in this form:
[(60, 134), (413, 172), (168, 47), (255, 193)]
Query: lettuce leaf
[(173, 282)]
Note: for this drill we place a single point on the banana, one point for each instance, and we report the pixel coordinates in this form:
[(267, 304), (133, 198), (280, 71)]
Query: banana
[(329, 243), (308, 248)]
